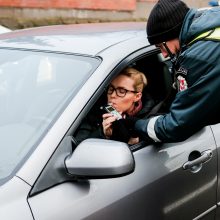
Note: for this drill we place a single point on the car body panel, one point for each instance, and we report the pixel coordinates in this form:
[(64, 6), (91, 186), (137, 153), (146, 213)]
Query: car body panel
[(13, 202), (216, 132), (150, 186)]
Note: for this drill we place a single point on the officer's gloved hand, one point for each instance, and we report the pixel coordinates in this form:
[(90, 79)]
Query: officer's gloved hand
[(120, 132), (123, 129), (130, 122)]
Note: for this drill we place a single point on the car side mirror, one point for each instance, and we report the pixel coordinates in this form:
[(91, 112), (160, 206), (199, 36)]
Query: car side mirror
[(100, 158)]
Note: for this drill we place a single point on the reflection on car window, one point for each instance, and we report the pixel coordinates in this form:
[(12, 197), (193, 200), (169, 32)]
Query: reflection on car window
[(34, 88)]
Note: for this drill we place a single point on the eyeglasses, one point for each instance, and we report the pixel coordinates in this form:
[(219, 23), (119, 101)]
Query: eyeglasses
[(120, 92)]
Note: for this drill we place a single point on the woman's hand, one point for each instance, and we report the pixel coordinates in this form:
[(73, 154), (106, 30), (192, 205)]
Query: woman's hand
[(108, 119)]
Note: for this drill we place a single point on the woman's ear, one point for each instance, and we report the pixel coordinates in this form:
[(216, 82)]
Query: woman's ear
[(138, 96)]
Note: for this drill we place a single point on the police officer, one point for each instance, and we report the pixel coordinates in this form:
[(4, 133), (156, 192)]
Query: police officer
[(192, 37)]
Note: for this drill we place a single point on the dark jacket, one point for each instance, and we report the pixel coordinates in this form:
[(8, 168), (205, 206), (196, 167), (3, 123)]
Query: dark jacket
[(91, 127), (199, 104)]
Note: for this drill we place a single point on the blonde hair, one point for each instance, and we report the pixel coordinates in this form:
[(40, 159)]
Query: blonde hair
[(140, 80)]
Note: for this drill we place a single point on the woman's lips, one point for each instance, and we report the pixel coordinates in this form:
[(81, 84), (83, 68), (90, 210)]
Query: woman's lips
[(113, 104)]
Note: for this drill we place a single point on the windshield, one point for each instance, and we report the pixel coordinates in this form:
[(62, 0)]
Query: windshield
[(34, 88)]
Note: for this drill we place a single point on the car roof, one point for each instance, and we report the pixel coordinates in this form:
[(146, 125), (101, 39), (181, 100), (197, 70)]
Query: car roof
[(87, 39)]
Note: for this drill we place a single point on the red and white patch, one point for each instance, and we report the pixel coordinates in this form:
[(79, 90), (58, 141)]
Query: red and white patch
[(182, 83)]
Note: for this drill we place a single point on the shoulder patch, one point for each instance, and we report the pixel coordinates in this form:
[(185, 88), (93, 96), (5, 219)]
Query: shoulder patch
[(182, 84), (182, 71)]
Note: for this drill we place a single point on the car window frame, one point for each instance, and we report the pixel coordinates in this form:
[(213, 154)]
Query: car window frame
[(131, 58)]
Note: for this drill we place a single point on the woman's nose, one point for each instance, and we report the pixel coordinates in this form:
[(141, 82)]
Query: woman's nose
[(113, 94)]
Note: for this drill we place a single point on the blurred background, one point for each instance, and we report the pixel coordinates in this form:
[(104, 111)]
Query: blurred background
[(17, 14)]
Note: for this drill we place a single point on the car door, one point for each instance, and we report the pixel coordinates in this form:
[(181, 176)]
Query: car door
[(216, 132), (159, 187), (179, 191)]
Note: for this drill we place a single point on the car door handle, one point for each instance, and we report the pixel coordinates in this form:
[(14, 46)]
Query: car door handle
[(205, 156)]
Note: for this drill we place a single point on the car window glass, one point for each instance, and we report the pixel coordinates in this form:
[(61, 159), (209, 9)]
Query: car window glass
[(34, 88)]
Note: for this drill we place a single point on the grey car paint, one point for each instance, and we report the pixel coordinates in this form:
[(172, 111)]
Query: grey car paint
[(216, 132), (90, 156), (158, 188), (13, 202)]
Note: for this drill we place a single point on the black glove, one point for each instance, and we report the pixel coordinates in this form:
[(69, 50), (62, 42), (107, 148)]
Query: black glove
[(119, 131), (123, 129), (130, 122)]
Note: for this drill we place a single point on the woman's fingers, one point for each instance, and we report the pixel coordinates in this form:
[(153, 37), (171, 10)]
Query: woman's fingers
[(108, 118), (107, 115)]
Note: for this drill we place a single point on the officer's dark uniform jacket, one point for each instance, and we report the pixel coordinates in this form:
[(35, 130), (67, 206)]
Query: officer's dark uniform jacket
[(198, 104)]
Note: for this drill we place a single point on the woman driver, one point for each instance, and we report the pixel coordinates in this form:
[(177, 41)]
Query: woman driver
[(124, 94)]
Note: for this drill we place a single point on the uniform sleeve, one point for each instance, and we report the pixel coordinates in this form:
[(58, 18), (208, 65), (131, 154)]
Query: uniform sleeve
[(145, 129), (188, 113), (186, 116)]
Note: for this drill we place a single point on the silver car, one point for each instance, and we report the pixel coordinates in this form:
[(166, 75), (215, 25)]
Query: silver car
[(51, 78)]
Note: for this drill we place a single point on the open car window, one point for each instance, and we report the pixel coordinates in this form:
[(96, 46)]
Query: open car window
[(156, 70)]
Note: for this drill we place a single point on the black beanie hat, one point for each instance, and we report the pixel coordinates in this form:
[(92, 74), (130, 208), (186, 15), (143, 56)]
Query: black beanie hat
[(165, 20)]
